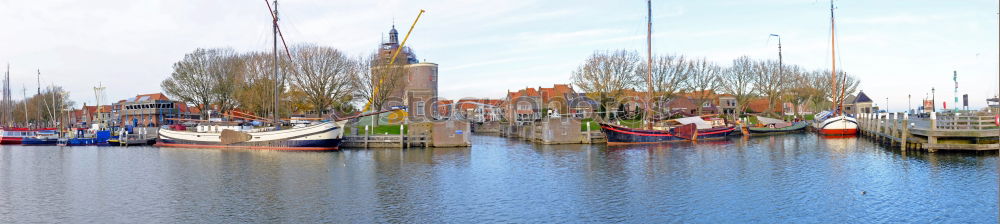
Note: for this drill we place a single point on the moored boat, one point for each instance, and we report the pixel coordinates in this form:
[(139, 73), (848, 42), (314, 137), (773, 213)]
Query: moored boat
[(835, 122), (320, 136), (14, 136), (624, 135), (42, 138), (828, 124), (775, 126)]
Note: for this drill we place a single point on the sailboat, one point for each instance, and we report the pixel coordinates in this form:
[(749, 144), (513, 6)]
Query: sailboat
[(691, 128), (323, 135), (835, 122)]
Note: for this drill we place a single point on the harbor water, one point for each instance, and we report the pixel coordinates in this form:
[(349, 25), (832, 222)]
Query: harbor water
[(798, 178)]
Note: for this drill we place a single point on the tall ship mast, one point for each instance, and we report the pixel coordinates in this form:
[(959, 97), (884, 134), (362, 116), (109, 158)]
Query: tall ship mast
[(683, 129), (835, 121), (321, 135)]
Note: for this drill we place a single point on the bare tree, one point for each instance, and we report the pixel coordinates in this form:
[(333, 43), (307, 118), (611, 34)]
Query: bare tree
[(704, 78), (821, 96), (323, 73), (738, 81), (769, 81), (670, 72), (191, 80), (375, 80), (800, 87), (846, 85), (227, 72), (205, 77), (256, 88), (606, 75), (43, 109)]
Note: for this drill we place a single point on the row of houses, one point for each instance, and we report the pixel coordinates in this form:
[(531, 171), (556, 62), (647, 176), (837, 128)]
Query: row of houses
[(145, 110), (530, 104)]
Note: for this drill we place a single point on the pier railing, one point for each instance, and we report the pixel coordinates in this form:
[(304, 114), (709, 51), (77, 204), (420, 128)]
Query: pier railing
[(949, 131), (965, 122)]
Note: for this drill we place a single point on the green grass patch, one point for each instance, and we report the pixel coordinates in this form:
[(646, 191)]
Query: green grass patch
[(593, 125), (378, 130), (388, 129)]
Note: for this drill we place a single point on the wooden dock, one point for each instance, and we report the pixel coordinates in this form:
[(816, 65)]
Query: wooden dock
[(938, 132), (385, 141), (554, 131)]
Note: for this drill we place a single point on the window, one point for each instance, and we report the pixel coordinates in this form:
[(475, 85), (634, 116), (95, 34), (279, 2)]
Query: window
[(420, 108)]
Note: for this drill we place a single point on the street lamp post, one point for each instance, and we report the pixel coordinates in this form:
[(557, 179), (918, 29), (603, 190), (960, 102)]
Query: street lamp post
[(909, 103), (887, 104), (933, 101)]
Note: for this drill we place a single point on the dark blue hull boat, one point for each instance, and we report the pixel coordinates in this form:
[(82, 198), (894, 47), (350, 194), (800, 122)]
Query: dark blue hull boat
[(39, 141), (623, 135)]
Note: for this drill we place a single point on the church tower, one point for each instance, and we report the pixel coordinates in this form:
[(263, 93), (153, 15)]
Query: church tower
[(393, 35)]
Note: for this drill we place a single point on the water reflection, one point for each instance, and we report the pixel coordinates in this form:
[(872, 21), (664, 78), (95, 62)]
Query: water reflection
[(792, 178)]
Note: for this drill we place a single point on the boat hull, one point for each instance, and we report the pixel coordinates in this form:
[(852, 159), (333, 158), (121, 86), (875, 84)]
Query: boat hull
[(39, 142), (322, 137), (623, 135), (304, 145), (838, 125), (11, 140), (799, 126)]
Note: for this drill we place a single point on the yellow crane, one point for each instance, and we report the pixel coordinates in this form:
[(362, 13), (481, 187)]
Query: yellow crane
[(393, 61)]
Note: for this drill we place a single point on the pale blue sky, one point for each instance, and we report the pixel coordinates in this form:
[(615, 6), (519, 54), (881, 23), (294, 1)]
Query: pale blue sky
[(485, 47)]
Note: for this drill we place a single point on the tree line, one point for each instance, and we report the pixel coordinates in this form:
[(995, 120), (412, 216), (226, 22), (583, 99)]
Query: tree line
[(311, 79), (46, 108), (608, 76)]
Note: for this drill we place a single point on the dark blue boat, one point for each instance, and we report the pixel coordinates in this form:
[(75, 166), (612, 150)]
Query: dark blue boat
[(100, 139), (43, 137), (623, 135)]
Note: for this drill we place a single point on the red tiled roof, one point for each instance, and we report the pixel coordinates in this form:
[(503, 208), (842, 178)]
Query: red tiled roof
[(468, 103), (557, 90), (90, 109), (153, 96)]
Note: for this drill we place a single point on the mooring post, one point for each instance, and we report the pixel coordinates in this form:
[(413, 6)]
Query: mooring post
[(892, 129), (933, 120), (906, 132), (870, 123), (589, 140), (878, 127), (366, 136), (402, 139), (864, 124), (931, 138)]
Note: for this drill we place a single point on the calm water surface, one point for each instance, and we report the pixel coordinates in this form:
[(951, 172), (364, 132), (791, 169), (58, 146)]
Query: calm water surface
[(795, 178)]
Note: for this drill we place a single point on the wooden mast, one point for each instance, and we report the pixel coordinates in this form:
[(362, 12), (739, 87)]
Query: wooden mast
[(277, 123), (833, 58), (649, 64)]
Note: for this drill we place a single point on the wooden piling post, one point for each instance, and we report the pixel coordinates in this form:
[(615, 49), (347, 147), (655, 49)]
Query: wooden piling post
[(878, 127), (906, 132), (864, 124), (868, 124), (931, 139)]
